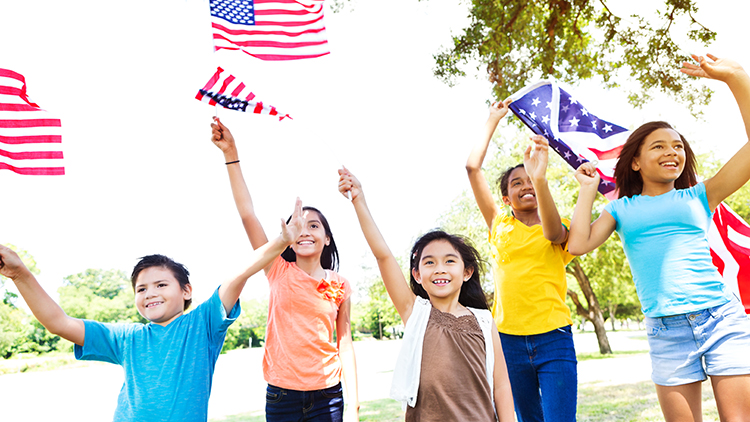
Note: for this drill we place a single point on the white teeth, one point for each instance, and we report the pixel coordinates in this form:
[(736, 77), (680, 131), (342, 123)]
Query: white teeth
[(441, 282), (151, 305)]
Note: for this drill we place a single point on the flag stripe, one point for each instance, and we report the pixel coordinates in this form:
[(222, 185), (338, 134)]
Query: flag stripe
[(34, 171), (32, 155), (32, 139), (29, 123)]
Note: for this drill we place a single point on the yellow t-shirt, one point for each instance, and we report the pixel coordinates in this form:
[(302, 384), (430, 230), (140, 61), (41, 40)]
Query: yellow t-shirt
[(530, 285)]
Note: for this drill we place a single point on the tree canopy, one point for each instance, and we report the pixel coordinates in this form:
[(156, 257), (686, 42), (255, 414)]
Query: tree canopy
[(519, 41)]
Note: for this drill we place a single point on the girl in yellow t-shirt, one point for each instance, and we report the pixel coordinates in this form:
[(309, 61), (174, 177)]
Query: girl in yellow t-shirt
[(529, 258), (302, 362)]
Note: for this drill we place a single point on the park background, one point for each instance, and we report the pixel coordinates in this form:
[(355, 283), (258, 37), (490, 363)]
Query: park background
[(142, 176)]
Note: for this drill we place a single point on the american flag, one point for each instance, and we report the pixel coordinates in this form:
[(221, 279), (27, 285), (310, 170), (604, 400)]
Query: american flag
[(572, 130), (270, 29), (227, 91), (30, 138), (579, 136)]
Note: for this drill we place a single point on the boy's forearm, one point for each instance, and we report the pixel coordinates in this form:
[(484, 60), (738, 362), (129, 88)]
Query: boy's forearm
[(47, 311)]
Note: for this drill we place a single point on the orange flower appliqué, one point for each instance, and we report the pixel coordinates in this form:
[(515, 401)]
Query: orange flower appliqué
[(332, 290)]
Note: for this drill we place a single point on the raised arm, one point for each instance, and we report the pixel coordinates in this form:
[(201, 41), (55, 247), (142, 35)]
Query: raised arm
[(223, 139), (736, 172), (479, 185), (393, 278), (263, 256), (46, 310), (535, 163), (586, 236)]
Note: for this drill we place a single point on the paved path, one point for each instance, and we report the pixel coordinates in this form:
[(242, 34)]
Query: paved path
[(90, 393)]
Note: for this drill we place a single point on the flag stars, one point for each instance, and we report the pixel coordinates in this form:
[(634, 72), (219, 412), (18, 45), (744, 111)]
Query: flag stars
[(607, 128), (545, 119), (565, 108), (522, 111), (535, 102), (549, 105), (532, 115), (573, 121), (584, 111), (572, 100), (593, 124), (567, 155)]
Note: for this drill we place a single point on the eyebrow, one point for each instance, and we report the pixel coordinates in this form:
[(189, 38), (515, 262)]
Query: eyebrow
[(431, 256), (155, 281)]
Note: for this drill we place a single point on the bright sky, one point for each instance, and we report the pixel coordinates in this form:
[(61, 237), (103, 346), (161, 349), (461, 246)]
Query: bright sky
[(143, 177)]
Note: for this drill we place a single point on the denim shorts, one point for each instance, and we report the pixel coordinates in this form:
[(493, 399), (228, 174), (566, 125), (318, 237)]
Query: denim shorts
[(685, 348)]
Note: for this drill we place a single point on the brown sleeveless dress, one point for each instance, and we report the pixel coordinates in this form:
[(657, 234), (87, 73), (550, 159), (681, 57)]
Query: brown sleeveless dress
[(453, 384)]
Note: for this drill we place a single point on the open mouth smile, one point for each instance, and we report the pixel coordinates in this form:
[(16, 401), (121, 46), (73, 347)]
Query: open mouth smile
[(153, 304)]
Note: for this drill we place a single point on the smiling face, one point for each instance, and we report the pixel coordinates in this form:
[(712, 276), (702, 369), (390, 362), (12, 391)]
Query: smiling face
[(521, 195), (313, 238), (661, 157), (441, 270), (158, 295)]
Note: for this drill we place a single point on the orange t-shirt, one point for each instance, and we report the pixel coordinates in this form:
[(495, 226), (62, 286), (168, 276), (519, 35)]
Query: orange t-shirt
[(300, 353)]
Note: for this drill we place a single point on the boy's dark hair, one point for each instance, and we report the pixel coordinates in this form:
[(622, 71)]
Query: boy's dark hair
[(179, 271), (629, 182), (329, 258), (504, 179), (471, 291)]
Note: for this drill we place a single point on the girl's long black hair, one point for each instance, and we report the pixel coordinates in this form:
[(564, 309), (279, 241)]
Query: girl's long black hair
[(471, 291), (329, 258)]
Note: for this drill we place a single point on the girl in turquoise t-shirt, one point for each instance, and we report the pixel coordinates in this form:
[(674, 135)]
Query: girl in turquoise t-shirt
[(695, 327)]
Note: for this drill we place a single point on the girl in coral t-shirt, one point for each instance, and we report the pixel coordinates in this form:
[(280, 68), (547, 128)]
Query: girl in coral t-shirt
[(302, 363)]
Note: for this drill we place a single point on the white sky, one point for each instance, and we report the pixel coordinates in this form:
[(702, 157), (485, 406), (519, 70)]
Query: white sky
[(143, 177)]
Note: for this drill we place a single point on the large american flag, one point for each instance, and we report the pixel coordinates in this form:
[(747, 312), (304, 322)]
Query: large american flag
[(270, 29), (579, 136), (30, 138), (225, 90)]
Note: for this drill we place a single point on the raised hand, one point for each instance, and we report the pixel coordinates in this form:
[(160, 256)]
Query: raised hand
[(11, 265), (348, 184), (221, 136), (587, 175), (535, 158), (499, 109), (715, 68), (291, 231)]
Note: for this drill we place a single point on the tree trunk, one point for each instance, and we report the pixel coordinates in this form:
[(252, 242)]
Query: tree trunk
[(593, 313)]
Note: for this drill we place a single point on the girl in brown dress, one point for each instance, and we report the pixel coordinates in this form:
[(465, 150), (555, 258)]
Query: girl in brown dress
[(451, 365)]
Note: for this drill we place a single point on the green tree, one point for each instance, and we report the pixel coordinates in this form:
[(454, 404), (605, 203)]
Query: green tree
[(15, 324), (100, 295), (518, 41), (250, 328)]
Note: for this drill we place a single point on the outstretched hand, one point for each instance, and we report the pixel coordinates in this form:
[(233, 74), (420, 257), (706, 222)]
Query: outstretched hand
[(290, 231), (221, 136), (716, 68), (587, 175), (499, 109), (348, 184), (535, 158), (11, 265)]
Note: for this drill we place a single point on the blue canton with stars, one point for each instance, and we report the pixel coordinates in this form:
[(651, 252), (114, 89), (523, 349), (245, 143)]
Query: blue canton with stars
[(535, 111), (238, 12)]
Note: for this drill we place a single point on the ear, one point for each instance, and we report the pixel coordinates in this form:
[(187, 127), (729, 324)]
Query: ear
[(468, 272), (328, 240), (635, 165), (506, 200), (187, 292), (417, 277)]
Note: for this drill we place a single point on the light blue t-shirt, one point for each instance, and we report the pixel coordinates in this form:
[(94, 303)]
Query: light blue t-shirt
[(168, 370), (665, 240)]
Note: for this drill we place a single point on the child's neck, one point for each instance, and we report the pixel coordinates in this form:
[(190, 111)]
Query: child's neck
[(311, 265), (449, 305), (528, 217), (655, 189)]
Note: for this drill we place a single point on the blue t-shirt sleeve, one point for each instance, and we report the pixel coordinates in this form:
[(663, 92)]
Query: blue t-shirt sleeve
[(216, 317), (611, 209), (103, 342)]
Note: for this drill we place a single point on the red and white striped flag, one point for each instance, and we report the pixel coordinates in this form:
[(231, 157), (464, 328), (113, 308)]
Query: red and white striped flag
[(227, 91), (270, 29), (729, 237), (30, 138)]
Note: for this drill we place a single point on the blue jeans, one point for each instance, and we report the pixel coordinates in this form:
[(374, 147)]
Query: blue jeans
[(543, 375), (326, 405)]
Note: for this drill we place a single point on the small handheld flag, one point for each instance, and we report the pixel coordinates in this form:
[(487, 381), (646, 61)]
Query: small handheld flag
[(572, 130), (226, 91), (270, 29), (30, 137)]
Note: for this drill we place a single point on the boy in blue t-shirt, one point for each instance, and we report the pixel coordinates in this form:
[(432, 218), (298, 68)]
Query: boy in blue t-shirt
[(168, 363)]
